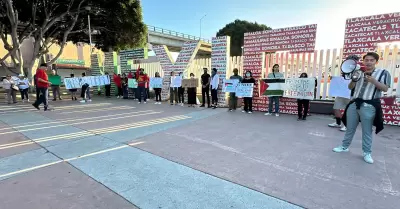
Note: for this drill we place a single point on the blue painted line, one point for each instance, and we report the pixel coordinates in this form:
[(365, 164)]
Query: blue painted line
[(24, 161), (137, 133), (152, 182)]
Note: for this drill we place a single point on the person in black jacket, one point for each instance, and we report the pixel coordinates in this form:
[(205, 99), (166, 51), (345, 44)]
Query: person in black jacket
[(303, 104), (248, 101)]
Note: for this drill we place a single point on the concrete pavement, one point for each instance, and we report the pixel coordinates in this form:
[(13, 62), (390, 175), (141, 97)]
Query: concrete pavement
[(120, 154)]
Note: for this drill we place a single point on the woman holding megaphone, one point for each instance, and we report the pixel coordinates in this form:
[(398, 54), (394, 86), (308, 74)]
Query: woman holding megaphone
[(367, 83)]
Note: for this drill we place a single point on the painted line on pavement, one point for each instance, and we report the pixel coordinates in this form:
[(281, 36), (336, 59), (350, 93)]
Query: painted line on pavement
[(97, 110), (109, 117), (77, 123), (94, 132), (68, 160), (30, 107)]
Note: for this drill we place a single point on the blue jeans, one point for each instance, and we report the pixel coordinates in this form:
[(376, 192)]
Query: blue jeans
[(366, 114), (271, 101)]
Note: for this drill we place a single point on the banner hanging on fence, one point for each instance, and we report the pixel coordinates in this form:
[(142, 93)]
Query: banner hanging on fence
[(76, 83), (300, 88), (244, 90), (230, 85), (156, 82), (272, 87), (132, 83)]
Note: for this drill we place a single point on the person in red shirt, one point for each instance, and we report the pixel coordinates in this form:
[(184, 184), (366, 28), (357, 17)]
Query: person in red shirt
[(117, 81), (142, 80), (43, 84)]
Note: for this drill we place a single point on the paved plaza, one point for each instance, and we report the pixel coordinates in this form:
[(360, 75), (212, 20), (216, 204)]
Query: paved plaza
[(117, 154)]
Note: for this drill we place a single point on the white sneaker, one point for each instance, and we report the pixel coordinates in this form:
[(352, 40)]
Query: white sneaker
[(182, 104), (277, 114), (139, 102), (243, 111), (250, 112), (28, 100), (344, 129), (368, 158), (82, 101), (156, 103), (340, 149), (268, 113), (117, 97), (145, 102), (334, 125), (89, 100)]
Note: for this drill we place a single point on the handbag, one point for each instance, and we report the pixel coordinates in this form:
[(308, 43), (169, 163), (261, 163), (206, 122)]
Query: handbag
[(14, 87)]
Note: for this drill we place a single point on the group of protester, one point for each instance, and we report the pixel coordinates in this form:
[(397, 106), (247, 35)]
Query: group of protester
[(140, 93)]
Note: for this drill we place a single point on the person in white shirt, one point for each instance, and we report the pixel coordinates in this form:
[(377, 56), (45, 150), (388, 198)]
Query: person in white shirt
[(173, 90), (8, 84), (214, 88), (23, 84)]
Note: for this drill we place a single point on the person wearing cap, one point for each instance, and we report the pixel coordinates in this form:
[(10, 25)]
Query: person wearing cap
[(23, 84)]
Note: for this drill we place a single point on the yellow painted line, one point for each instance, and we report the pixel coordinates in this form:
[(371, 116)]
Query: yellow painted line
[(70, 159), (109, 117), (77, 123), (98, 110), (95, 131)]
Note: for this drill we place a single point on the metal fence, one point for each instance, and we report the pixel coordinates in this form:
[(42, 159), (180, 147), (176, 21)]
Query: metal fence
[(174, 33)]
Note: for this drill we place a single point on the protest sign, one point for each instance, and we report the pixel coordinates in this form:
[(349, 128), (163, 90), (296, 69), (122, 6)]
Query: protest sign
[(244, 90), (176, 81), (156, 82), (55, 79), (229, 85), (190, 83), (76, 83), (132, 83), (339, 87), (299, 88), (272, 87)]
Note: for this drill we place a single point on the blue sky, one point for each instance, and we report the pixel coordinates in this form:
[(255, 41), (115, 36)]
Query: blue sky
[(184, 15)]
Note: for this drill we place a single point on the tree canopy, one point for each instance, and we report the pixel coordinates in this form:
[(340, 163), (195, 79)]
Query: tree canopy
[(115, 24), (236, 30)]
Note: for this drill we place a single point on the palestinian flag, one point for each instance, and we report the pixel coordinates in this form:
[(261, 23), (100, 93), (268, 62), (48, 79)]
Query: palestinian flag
[(272, 86)]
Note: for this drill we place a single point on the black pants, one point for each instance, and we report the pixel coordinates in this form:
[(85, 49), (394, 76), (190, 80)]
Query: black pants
[(142, 91), (108, 90), (37, 92), (24, 93), (157, 92), (120, 92), (248, 104), (214, 96), (43, 97), (206, 91), (303, 104), (181, 97)]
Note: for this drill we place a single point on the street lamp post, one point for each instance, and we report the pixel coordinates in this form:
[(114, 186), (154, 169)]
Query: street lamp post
[(200, 23), (90, 29)]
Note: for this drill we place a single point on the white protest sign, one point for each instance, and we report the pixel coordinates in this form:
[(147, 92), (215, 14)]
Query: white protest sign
[(156, 82), (177, 81), (299, 88), (339, 87), (229, 85), (76, 83), (244, 90)]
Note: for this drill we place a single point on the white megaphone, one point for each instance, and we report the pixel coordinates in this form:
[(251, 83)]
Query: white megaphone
[(352, 68)]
